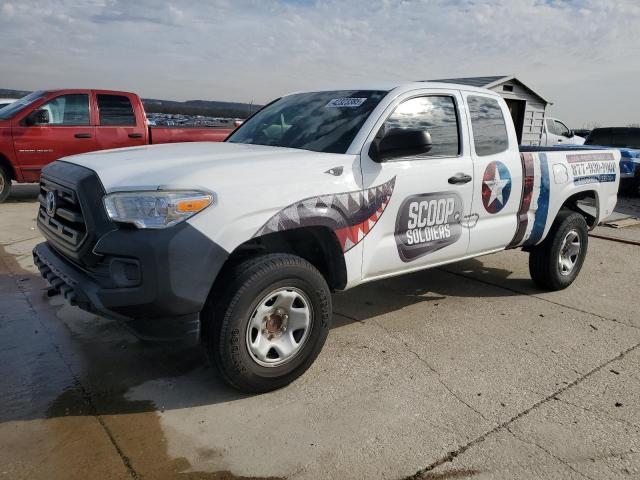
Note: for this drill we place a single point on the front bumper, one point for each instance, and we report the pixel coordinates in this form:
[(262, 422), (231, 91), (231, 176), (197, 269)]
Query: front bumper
[(157, 281)]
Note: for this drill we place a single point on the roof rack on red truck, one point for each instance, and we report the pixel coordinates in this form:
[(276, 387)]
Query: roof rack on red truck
[(47, 125)]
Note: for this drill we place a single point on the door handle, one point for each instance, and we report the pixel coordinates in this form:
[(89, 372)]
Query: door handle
[(82, 135), (135, 135), (460, 178)]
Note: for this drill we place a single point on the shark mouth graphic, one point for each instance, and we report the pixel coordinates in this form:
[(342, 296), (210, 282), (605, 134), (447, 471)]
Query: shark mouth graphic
[(351, 215)]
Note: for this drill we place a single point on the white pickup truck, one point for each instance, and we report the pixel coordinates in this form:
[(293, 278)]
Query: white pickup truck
[(242, 242), (556, 133)]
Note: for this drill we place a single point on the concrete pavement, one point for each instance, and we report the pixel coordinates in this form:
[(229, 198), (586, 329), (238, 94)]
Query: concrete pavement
[(465, 371)]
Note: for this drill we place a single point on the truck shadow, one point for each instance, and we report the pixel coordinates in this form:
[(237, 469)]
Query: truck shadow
[(114, 373), (470, 278)]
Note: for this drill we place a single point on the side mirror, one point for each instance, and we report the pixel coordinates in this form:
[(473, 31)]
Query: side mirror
[(569, 134), (37, 117), (400, 142)]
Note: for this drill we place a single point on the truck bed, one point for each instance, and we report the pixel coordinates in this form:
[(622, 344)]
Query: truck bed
[(563, 148), (187, 134), (629, 157)]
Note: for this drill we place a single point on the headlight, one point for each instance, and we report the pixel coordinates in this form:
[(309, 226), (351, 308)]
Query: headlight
[(155, 209)]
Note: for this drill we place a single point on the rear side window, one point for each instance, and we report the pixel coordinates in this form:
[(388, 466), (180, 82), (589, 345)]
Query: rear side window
[(70, 109), (489, 129), (115, 110), (435, 114)]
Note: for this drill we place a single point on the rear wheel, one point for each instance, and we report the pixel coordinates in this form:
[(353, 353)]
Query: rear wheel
[(270, 323), (5, 184), (556, 262)]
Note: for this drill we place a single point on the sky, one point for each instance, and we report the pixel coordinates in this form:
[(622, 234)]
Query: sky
[(583, 55)]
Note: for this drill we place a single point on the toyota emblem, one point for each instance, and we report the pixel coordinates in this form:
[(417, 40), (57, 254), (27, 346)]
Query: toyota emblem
[(51, 203)]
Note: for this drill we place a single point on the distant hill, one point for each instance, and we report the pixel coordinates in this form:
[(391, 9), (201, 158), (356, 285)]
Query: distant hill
[(207, 108)]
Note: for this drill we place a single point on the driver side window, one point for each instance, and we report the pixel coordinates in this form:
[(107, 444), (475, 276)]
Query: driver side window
[(437, 115), (68, 110)]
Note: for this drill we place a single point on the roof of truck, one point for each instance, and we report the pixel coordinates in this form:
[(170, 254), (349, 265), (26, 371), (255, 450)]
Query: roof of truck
[(475, 81), (617, 129), (73, 90), (401, 87)]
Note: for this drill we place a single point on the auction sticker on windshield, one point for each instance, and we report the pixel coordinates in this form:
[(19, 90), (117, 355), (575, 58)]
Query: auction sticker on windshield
[(345, 102)]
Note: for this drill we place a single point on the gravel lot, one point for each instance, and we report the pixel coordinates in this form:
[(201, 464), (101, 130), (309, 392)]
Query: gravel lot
[(465, 371)]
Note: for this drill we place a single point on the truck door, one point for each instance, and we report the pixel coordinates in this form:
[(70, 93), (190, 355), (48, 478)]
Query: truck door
[(497, 173), (426, 199), (60, 127), (118, 125)]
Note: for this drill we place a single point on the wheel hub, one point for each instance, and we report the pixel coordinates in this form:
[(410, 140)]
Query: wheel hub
[(279, 326), (569, 252), (276, 323)]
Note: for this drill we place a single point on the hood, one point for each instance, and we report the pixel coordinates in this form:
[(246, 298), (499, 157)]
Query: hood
[(199, 164)]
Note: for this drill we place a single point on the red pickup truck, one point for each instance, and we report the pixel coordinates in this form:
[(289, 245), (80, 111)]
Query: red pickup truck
[(47, 125)]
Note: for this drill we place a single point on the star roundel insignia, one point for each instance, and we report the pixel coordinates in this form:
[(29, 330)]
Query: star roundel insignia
[(496, 187)]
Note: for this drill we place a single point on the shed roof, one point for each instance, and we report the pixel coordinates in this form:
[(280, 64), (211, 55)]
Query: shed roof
[(488, 82)]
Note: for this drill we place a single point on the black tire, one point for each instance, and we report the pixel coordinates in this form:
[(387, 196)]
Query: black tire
[(5, 184), (544, 265), (226, 320), (634, 190), (628, 187)]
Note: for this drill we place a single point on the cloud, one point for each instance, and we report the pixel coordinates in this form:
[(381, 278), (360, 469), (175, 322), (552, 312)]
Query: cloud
[(258, 49), (8, 9)]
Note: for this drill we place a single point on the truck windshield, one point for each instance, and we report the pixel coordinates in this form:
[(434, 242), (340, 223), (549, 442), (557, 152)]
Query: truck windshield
[(320, 121), (15, 107)]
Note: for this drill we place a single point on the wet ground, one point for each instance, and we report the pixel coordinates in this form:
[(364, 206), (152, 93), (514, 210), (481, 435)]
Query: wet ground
[(465, 371)]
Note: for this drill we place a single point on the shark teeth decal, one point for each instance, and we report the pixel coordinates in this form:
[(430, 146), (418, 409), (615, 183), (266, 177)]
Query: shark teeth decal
[(351, 215)]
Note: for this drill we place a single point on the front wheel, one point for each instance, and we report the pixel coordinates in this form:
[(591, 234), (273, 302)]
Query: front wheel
[(269, 324), (5, 184), (556, 262)]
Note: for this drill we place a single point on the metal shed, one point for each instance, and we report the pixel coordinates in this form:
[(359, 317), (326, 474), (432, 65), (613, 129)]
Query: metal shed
[(526, 106)]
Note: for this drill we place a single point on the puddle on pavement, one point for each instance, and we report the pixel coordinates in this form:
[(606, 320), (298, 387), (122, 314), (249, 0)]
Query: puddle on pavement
[(92, 429)]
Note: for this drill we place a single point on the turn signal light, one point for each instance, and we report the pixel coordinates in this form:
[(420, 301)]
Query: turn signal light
[(193, 205)]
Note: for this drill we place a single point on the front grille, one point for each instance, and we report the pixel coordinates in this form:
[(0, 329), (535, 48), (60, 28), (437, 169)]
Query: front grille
[(67, 223), (78, 220)]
